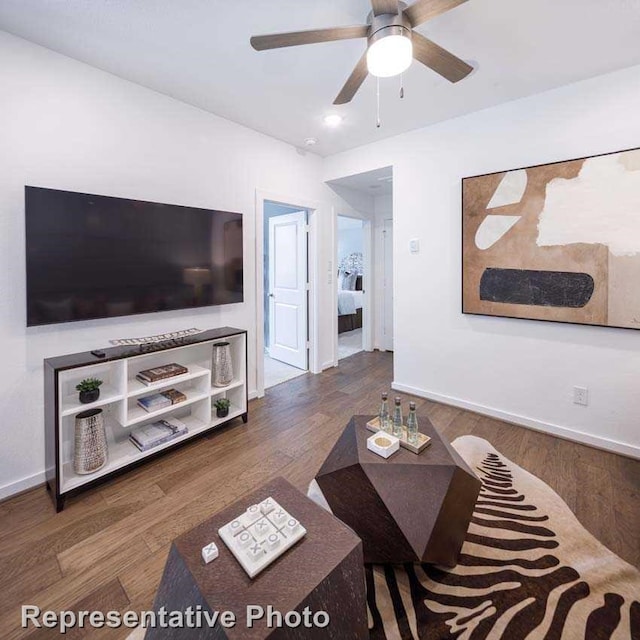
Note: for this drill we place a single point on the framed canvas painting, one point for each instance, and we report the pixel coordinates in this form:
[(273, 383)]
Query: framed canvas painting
[(557, 242)]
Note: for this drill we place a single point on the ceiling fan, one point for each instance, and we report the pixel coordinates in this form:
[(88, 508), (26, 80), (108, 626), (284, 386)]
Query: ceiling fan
[(392, 42)]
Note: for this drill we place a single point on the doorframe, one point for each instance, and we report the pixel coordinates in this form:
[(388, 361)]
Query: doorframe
[(384, 340), (314, 209), (367, 259)]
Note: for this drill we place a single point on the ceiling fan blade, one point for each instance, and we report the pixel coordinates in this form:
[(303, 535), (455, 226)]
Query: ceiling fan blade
[(424, 10), (381, 7), (439, 59), (295, 38), (351, 86)]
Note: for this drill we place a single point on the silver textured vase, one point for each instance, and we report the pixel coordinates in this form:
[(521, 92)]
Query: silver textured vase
[(222, 364), (90, 451)]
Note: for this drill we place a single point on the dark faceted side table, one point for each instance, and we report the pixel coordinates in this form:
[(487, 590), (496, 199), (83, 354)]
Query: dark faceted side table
[(324, 571), (406, 508)]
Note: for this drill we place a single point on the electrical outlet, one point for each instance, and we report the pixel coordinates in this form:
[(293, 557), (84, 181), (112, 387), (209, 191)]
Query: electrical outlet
[(581, 396)]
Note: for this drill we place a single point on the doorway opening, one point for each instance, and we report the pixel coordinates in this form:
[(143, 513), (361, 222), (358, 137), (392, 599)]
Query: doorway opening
[(350, 256), (286, 290), (369, 200)]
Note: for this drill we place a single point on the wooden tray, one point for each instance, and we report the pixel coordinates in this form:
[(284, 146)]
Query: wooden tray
[(423, 441)]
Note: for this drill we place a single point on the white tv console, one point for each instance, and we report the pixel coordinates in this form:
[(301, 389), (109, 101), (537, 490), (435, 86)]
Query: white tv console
[(118, 400)]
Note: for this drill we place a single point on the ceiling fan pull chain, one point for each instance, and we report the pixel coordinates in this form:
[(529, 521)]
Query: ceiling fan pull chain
[(378, 102), (401, 86)]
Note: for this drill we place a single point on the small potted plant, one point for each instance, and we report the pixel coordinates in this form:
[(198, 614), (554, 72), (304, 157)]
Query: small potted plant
[(89, 389), (222, 407)]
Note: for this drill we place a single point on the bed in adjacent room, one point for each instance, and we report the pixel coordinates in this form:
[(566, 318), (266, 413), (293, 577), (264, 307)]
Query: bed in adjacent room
[(350, 303)]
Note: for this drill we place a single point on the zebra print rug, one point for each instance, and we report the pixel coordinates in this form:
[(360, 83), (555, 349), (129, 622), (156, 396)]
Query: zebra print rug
[(528, 569)]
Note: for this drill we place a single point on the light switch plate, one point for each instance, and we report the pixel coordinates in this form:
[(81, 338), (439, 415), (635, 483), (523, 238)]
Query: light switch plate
[(414, 245), (581, 396)]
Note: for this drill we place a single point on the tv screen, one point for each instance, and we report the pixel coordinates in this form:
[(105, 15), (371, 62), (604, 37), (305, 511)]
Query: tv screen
[(91, 256)]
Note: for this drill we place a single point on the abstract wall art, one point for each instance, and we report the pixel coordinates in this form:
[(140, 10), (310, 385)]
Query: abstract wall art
[(558, 242)]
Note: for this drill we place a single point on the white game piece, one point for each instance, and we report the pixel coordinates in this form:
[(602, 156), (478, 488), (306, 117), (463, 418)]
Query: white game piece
[(255, 551), (291, 526), (235, 526), (260, 535), (253, 513), (260, 529), (261, 525), (266, 506), (210, 552), (245, 539), (272, 541)]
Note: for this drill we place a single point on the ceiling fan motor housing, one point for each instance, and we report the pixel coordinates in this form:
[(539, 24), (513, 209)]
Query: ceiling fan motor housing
[(389, 45), (388, 24)]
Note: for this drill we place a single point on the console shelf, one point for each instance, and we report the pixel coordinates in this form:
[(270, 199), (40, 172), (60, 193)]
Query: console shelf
[(71, 405), (137, 388), (123, 454), (119, 397)]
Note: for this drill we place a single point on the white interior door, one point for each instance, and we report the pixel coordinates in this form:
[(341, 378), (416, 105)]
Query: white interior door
[(288, 289), (388, 285)]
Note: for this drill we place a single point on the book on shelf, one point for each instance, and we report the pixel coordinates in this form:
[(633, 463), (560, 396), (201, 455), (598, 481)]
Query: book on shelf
[(154, 402), (157, 433), (160, 400), (174, 395), (149, 376)]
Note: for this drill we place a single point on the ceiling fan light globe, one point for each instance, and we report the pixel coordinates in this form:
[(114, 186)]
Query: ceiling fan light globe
[(389, 56)]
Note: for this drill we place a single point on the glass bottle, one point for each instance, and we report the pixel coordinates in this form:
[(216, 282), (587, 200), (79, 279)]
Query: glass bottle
[(397, 418), (412, 424), (383, 415)]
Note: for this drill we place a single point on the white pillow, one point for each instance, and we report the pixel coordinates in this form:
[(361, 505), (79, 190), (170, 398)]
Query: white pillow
[(349, 281)]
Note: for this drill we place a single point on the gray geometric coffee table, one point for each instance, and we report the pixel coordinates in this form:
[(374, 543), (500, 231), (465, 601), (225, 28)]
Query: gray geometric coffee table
[(406, 508), (323, 571)]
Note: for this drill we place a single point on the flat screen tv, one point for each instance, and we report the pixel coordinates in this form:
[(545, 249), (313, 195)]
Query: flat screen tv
[(91, 256)]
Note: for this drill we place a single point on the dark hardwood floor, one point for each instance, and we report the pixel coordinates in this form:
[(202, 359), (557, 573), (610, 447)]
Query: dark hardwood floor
[(107, 549)]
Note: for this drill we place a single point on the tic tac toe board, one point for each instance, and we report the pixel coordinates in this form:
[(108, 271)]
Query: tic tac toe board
[(260, 535)]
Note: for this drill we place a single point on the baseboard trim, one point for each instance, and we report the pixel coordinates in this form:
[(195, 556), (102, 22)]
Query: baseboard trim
[(328, 365), (573, 435), (252, 395), (12, 489)]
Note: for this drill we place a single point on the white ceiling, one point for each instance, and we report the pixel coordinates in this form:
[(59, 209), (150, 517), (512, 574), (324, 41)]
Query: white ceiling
[(347, 224), (198, 51), (370, 183)]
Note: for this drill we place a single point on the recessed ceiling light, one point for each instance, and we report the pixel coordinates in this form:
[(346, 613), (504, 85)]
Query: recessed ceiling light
[(309, 142), (333, 120)]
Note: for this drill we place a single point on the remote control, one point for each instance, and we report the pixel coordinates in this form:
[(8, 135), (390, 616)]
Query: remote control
[(98, 353), (260, 535)]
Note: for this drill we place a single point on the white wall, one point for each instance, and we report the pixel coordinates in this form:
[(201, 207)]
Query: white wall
[(350, 238), (517, 369), (66, 125)]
